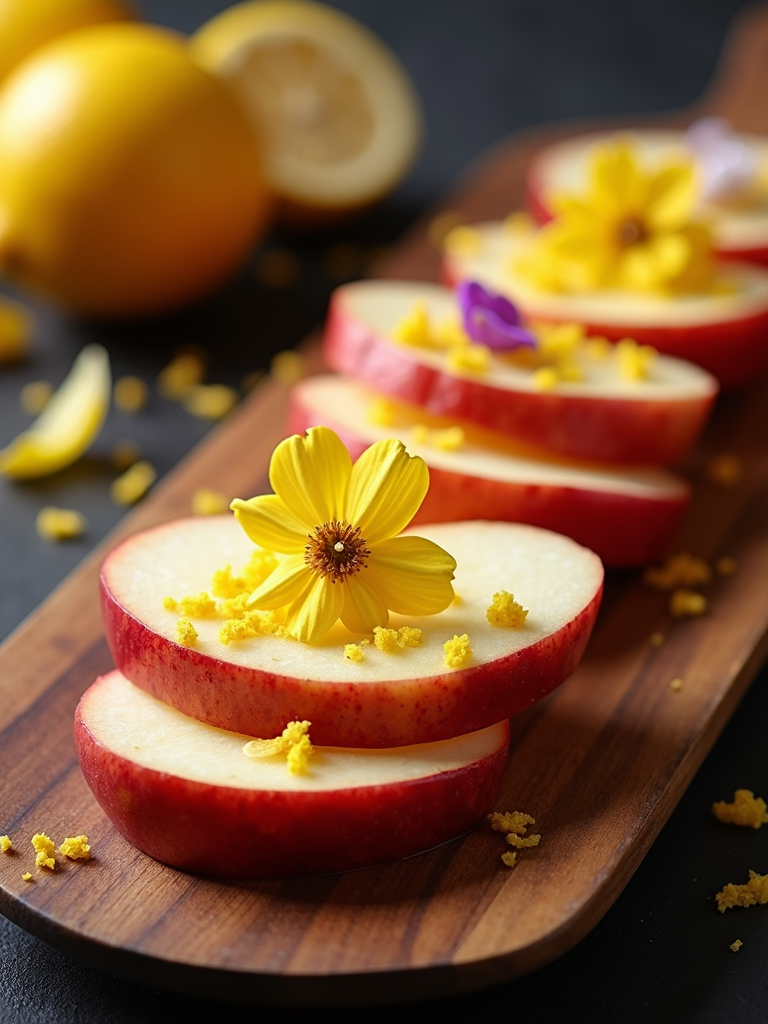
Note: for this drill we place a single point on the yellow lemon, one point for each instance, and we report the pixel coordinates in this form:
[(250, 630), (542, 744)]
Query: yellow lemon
[(130, 179), (338, 117), (27, 24)]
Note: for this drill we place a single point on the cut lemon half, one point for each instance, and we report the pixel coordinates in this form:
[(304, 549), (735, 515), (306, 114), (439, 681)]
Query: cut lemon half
[(337, 115), (68, 424)]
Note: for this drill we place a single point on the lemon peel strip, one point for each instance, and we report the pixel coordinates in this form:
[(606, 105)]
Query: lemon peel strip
[(68, 425)]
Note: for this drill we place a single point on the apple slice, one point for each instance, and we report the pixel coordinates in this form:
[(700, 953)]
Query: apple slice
[(726, 334), (185, 793), (740, 229), (387, 699), (605, 417), (627, 515)]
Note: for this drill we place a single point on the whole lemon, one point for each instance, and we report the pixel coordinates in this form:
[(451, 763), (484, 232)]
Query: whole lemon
[(27, 24), (130, 180)]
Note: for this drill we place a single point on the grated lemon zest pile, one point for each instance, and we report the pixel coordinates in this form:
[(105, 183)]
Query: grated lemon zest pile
[(76, 848), (745, 895), (5, 844), (353, 652), (515, 826), (458, 652), (680, 570), (44, 848), (393, 640), (745, 809), (293, 741), (472, 357), (186, 634), (54, 523), (506, 611), (635, 361)]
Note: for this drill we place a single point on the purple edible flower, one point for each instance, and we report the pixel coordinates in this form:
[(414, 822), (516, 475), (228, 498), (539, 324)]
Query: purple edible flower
[(726, 163), (491, 320)]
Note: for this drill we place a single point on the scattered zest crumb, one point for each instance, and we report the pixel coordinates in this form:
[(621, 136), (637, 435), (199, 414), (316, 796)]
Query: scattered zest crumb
[(293, 741), (5, 844), (441, 225), (657, 639), (746, 895), (515, 825), (34, 396), (133, 484), (736, 946), (410, 636), (381, 412), (124, 454), (475, 358), (353, 652), (289, 366), (634, 360), (745, 809), (208, 502), (210, 401), (27, 877), (676, 684), (420, 433), (130, 394), (186, 634), (76, 848), (181, 374), (724, 470), (457, 651), (386, 640), (60, 523), (463, 240), (546, 378), (44, 848), (681, 570), (725, 566), (451, 439), (687, 604), (506, 611)]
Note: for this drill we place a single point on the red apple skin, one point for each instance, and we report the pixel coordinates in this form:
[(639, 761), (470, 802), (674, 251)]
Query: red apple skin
[(623, 530), (366, 714), (653, 432), (238, 833)]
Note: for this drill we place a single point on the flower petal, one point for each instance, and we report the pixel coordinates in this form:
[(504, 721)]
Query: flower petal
[(286, 583), (386, 488), (310, 474), (269, 523), (412, 575), (315, 610), (672, 198), (364, 607)]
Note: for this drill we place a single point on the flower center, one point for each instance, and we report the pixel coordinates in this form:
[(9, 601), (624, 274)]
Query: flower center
[(630, 232), (337, 550)]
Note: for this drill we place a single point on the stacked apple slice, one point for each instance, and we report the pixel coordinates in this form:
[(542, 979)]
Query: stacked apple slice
[(724, 332), (411, 751), (581, 458)]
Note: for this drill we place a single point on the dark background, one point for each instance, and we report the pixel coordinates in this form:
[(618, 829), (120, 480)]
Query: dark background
[(484, 70)]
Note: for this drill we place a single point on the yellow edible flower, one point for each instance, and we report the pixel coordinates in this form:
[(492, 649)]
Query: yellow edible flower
[(334, 526), (632, 228)]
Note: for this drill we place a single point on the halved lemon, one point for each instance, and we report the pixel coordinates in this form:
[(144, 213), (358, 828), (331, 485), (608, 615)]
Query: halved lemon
[(336, 112)]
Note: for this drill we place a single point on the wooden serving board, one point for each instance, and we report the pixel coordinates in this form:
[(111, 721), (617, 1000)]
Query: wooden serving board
[(600, 764)]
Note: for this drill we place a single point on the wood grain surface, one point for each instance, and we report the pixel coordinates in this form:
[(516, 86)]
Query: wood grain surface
[(600, 764)]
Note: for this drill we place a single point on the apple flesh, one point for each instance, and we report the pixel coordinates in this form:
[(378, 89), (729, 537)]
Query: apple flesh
[(725, 334), (740, 231), (654, 421), (185, 793), (627, 515), (390, 699)]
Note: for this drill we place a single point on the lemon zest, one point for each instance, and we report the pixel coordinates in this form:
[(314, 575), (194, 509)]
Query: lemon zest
[(16, 328), (509, 858), (450, 439), (506, 611), (410, 636), (381, 412), (387, 640), (736, 945), (130, 393), (186, 634), (35, 396), (457, 651), (635, 361), (60, 523), (744, 895), (133, 484), (414, 328), (679, 570), (687, 604), (76, 848), (206, 501), (475, 358), (289, 366), (545, 379), (294, 741), (5, 844), (45, 849), (511, 821), (180, 375), (463, 240), (354, 652), (676, 684), (27, 877), (745, 809), (210, 401), (200, 606)]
